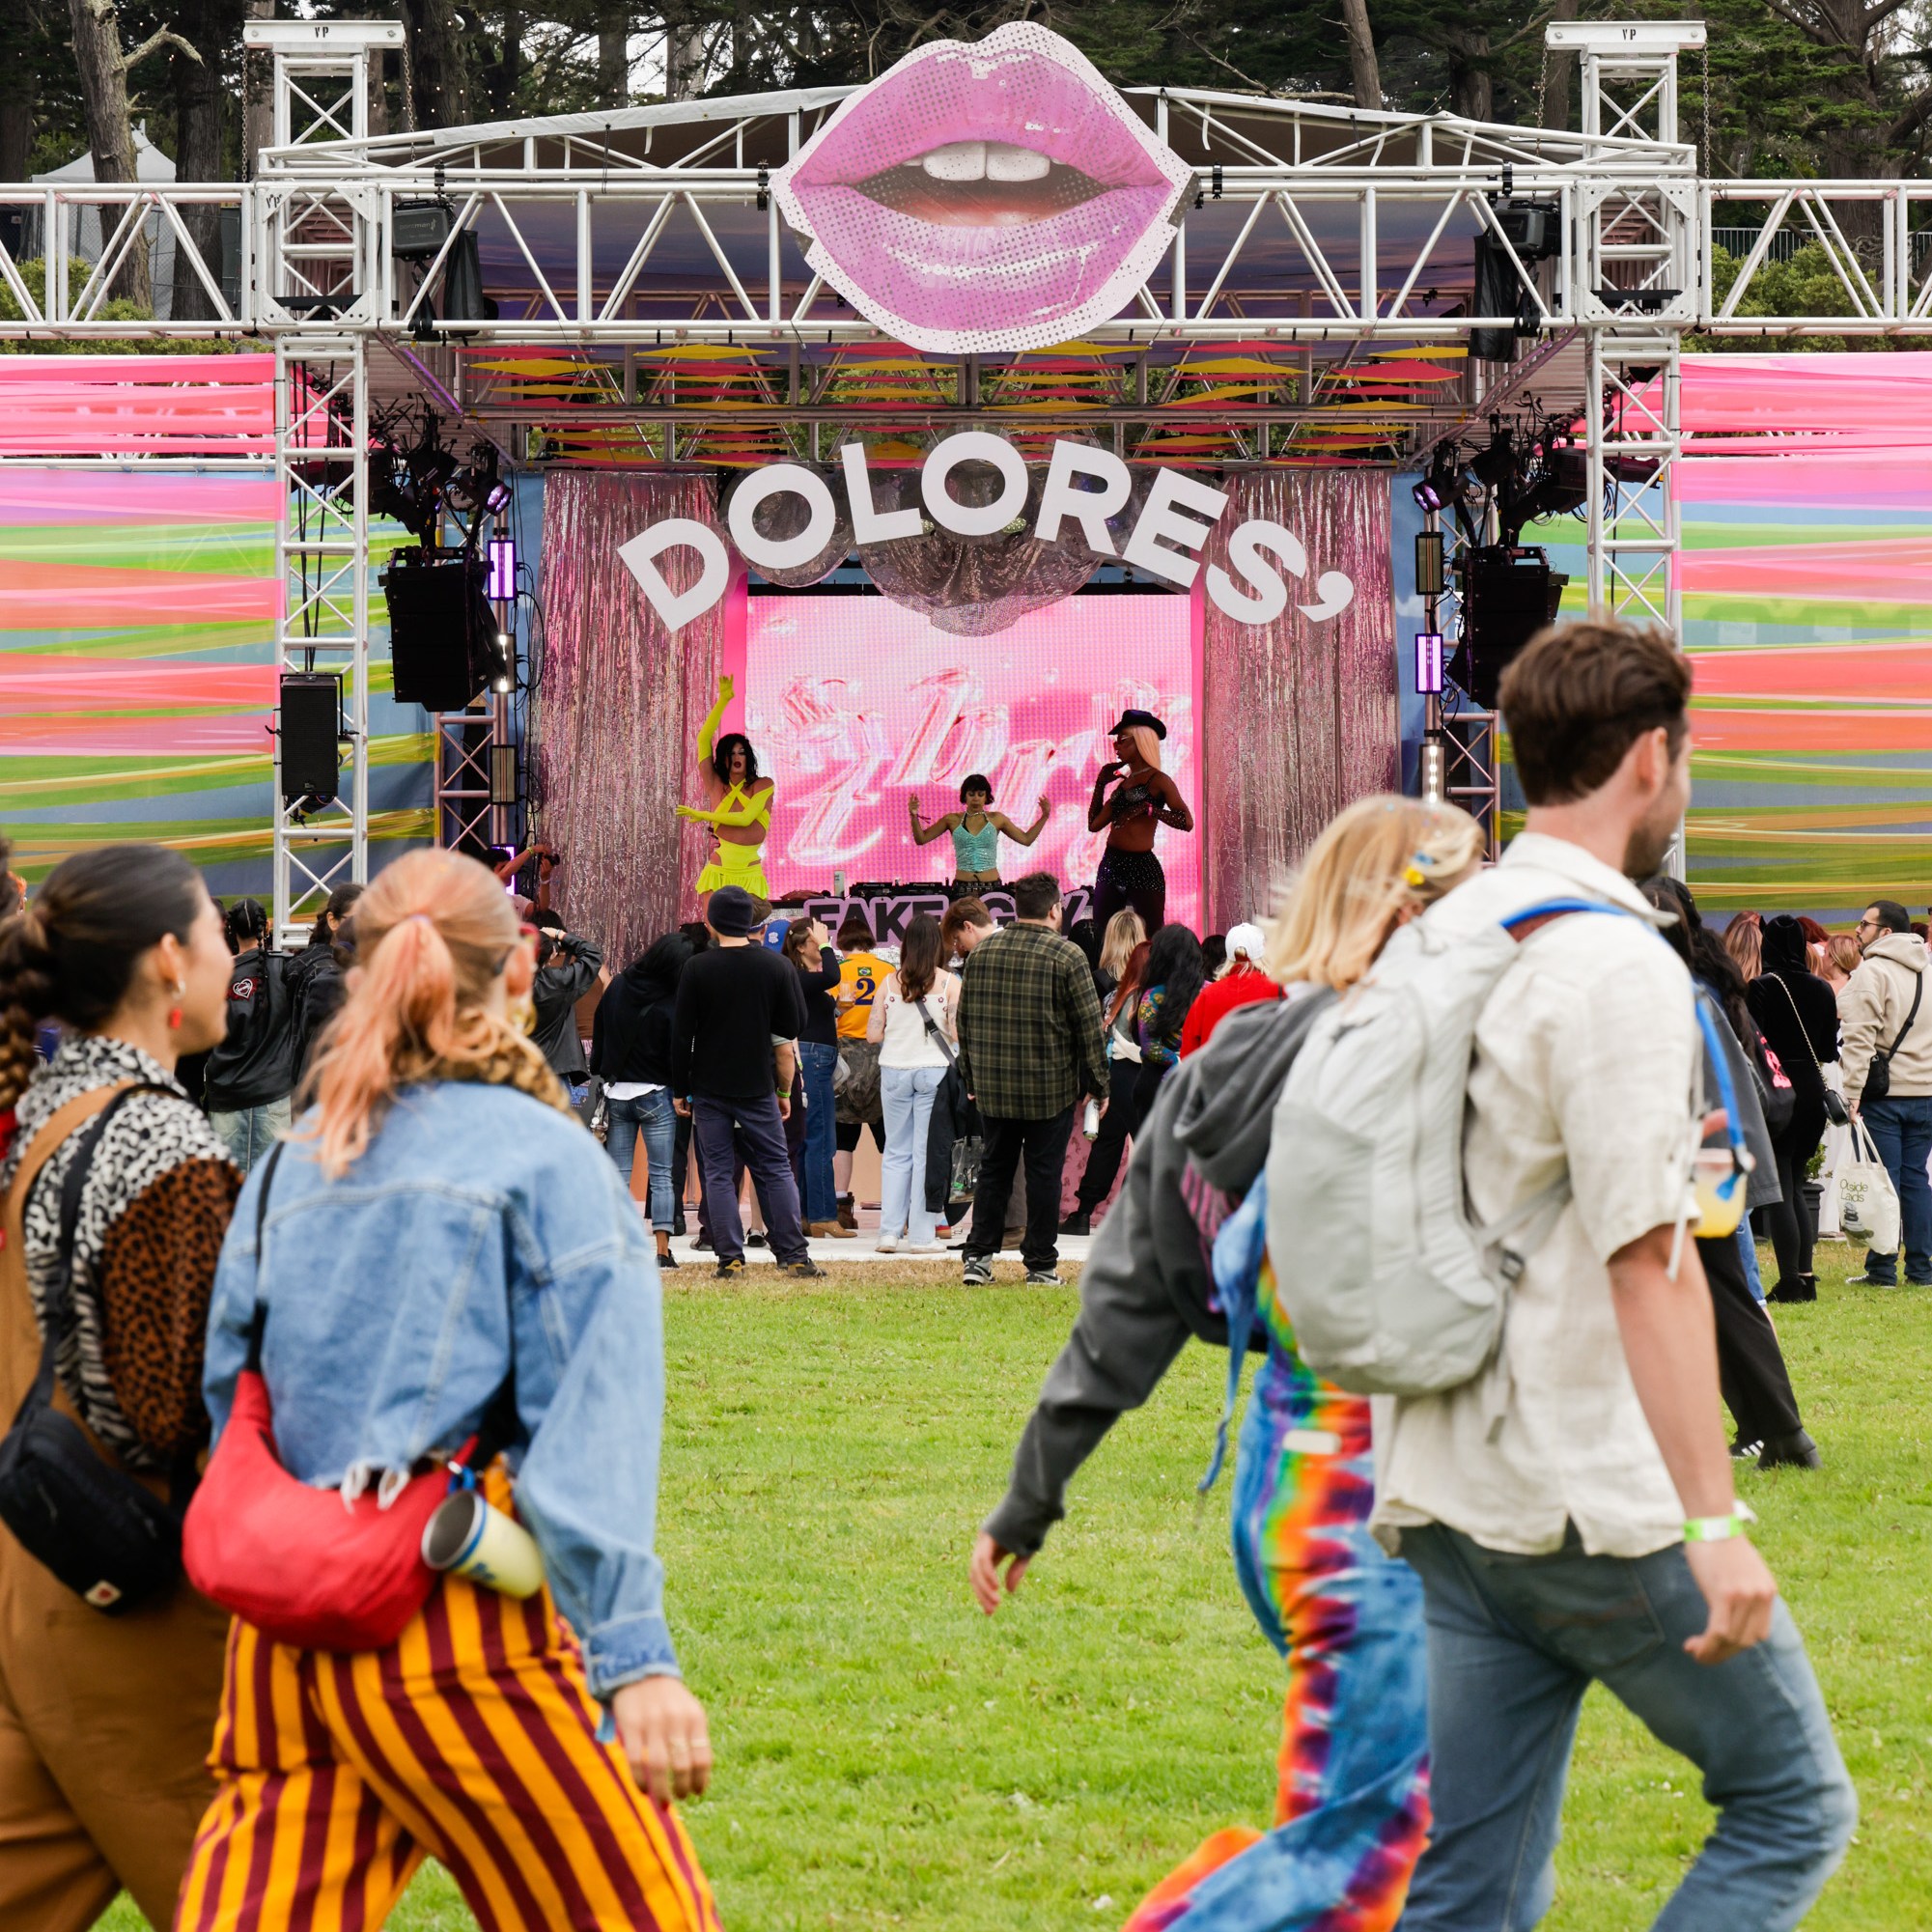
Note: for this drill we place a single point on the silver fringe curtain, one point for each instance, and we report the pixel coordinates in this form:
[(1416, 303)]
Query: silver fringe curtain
[(1299, 718), (620, 701)]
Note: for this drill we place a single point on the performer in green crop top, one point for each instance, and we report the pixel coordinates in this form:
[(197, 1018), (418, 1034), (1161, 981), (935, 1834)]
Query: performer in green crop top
[(976, 831)]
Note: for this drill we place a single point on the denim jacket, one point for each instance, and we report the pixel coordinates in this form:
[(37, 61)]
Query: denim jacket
[(480, 1228)]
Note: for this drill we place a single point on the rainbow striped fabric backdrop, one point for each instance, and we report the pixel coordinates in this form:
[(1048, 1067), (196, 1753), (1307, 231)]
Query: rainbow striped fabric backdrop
[(137, 610), (1806, 502)]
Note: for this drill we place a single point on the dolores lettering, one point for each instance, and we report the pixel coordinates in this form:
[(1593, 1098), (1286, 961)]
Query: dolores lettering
[(1083, 485)]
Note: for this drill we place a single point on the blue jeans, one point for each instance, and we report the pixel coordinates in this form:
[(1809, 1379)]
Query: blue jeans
[(1747, 1252), (250, 1131), (1901, 1127), (907, 1094), (653, 1116), (1514, 1642), (816, 1060)]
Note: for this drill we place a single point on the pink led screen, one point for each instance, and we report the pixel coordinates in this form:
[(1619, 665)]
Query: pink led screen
[(856, 705)]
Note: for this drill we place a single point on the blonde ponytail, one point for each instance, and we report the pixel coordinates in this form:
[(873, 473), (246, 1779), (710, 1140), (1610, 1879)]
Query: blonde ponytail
[(433, 934), (1375, 860)]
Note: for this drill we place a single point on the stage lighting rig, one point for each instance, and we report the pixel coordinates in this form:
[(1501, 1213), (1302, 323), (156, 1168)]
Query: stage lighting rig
[(1559, 485), (477, 490), (1494, 465), (408, 482)]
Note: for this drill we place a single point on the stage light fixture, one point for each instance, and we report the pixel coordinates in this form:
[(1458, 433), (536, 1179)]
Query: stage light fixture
[(498, 497), (1497, 463), (503, 777), (1430, 580), (503, 672), (1429, 663), (1427, 496), (502, 569)]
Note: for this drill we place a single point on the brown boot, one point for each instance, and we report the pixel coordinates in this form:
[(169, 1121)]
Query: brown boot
[(831, 1231), (848, 1213)]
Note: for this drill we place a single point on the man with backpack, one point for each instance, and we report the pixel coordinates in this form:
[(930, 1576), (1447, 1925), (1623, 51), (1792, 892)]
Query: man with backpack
[(1562, 1485), (251, 1073)]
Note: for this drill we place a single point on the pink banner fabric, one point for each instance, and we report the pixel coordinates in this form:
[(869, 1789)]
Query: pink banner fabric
[(620, 701), (137, 405), (1300, 718)]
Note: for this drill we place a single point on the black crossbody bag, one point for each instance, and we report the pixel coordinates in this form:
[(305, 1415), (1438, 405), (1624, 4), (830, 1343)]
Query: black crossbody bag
[(106, 1535), (1878, 1075), (1835, 1110)]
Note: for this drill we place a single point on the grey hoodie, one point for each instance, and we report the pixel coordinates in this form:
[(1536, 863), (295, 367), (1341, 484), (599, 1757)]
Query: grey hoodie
[(1146, 1286), (1872, 1009)]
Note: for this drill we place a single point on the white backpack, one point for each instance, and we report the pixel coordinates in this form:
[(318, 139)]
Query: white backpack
[(1392, 1289)]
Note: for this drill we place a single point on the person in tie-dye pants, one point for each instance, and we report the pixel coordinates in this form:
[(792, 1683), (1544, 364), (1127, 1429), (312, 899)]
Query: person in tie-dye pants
[(1352, 1808), (1182, 1254)]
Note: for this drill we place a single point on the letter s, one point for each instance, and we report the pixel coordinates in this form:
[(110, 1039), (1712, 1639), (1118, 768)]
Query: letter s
[(1245, 549)]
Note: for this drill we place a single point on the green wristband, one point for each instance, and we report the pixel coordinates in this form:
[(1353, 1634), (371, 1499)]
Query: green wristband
[(1720, 1528)]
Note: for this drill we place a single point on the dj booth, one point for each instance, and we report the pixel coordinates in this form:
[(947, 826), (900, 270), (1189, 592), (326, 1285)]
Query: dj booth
[(888, 908)]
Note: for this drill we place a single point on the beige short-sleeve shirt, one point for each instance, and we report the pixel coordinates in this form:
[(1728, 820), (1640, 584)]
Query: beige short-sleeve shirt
[(1586, 1055)]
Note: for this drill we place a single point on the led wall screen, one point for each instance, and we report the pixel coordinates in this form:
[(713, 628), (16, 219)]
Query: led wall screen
[(857, 706)]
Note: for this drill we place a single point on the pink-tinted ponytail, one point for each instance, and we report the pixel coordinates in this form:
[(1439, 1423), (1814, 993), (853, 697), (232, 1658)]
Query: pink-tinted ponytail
[(433, 934)]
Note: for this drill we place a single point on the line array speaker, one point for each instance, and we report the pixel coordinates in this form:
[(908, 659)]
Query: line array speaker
[(441, 631)]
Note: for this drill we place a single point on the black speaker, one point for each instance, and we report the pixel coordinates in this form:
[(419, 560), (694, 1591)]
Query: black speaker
[(1509, 593), (309, 721), (441, 631)]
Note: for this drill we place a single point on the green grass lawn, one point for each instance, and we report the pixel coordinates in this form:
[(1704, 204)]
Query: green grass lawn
[(889, 1757)]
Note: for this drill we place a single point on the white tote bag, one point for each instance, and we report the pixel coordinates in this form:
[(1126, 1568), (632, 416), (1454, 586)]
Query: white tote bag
[(1838, 1152), (1867, 1201)]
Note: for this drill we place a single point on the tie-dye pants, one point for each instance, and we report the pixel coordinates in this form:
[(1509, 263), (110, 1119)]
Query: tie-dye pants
[(1353, 1806)]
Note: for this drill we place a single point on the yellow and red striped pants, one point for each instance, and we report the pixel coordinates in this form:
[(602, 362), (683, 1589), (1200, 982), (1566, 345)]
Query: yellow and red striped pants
[(471, 1739)]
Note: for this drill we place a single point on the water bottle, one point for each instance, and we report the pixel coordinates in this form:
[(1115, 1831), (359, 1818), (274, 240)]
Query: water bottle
[(1090, 1120)]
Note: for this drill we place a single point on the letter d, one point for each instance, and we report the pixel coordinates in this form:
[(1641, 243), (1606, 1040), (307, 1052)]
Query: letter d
[(675, 609)]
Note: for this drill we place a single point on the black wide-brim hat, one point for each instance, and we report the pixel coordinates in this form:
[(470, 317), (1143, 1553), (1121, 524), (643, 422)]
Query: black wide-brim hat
[(1143, 720)]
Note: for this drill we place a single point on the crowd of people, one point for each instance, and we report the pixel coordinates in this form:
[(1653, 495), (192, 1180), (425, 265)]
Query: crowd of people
[(212, 1154)]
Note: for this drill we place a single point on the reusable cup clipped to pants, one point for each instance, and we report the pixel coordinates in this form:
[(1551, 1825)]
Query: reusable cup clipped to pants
[(467, 1538)]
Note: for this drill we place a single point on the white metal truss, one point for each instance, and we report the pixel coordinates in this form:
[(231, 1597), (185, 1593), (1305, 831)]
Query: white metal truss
[(322, 558)]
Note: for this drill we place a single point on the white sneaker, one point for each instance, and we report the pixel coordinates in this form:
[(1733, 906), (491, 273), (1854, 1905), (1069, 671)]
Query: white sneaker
[(927, 1247), (887, 1243)]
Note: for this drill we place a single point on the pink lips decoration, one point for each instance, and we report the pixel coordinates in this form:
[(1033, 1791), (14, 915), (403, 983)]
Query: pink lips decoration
[(1065, 218)]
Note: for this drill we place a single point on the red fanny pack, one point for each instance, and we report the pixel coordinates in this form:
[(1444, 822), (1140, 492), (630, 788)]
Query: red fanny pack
[(298, 1563)]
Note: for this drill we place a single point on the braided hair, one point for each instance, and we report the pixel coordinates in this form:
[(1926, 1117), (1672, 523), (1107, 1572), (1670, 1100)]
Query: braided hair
[(72, 954)]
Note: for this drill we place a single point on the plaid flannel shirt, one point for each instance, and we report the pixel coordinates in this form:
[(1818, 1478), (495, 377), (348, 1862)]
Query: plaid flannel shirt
[(1029, 1025)]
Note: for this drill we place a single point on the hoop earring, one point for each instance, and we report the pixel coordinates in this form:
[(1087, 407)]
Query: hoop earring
[(174, 1011)]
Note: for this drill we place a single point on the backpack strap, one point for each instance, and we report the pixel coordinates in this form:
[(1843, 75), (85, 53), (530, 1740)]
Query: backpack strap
[(1531, 920)]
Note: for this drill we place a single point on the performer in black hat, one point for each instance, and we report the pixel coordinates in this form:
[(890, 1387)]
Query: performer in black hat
[(1145, 799)]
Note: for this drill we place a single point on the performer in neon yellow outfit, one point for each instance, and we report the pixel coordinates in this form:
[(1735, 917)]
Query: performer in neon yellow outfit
[(738, 807)]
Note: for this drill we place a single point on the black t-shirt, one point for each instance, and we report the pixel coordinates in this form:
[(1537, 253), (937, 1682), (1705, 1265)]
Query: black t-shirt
[(733, 1002)]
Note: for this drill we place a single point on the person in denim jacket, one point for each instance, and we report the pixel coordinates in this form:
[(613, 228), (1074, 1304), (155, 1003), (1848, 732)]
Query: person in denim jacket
[(439, 1229)]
